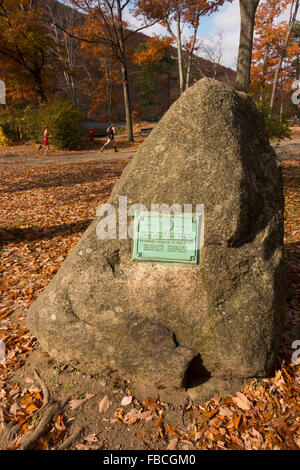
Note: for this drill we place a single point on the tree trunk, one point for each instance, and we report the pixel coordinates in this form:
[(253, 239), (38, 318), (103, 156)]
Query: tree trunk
[(179, 53), (127, 103), (124, 72), (39, 86), (177, 38), (263, 78), (190, 59), (248, 9), (281, 111), (109, 86), (292, 21)]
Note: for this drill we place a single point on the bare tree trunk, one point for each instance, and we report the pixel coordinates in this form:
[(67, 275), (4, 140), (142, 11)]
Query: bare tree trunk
[(66, 53), (124, 71), (71, 59), (127, 103), (248, 9), (179, 49), (190, 59), (109, 86), (263, 78), (293, 16), (281, 111), (39, 86), (177, 38)]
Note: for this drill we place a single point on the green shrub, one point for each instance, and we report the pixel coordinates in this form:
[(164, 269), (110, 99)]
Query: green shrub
[(278, 127), (64, 123), (10, 129)]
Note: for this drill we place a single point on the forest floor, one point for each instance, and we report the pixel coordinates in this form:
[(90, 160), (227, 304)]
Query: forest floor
[(45, 206)]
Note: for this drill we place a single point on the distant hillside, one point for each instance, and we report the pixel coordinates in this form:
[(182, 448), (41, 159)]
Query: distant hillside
[(87, 76)]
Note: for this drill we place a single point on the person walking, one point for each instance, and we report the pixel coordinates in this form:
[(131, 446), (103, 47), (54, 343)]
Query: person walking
[(111, 131)]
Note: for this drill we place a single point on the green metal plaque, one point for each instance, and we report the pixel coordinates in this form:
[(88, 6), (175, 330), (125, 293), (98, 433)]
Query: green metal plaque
[(167, 238)]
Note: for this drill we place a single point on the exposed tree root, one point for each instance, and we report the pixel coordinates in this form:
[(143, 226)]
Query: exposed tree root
[(46, 413), (46, 394), (69, 440), (41, 428)]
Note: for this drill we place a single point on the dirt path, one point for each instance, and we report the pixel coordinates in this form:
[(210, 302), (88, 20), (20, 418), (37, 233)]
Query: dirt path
[(34, 158), (289, 149)]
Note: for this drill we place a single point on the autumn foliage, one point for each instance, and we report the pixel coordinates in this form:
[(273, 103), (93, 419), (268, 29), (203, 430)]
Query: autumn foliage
[(269, 37), (26, 51), (154, 51)]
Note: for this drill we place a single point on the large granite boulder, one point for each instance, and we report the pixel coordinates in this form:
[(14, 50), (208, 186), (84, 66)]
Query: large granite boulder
[(166, 322)]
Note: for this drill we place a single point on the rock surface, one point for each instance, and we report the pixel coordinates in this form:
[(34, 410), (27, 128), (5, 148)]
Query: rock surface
[(173, 325)]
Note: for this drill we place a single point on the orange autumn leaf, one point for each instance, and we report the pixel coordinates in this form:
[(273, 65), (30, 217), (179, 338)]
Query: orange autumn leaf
[(52, 269), (152, 404), (4, 315), (59, 424), (31, 408), (24, 427), (26, 400), (38, 396), (172, 431), (236, 420)]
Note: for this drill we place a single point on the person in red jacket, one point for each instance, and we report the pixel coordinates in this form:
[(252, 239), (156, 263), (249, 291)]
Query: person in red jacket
[(46, 140), (91, 132)]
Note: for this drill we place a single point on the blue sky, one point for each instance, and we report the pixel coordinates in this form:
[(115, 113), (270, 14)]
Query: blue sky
[(226, 21)]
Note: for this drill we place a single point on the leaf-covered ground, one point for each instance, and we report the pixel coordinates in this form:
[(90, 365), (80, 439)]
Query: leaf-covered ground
[(44, 210)]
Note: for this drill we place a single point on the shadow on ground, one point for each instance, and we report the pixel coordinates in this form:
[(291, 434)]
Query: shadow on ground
[(17, 235), (80, 174)]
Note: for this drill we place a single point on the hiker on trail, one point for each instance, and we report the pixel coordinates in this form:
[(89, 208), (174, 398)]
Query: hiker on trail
[(111, 130), (46, 141)]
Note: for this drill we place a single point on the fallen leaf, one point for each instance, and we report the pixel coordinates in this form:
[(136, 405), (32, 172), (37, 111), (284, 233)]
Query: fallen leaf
[(91, 438), (26, 400), (146, 415), (126, 401), (236, 420), (172, 444), (242, 401), (171, 430), (225, 412), (14, 408), (132, 417), (59, 424), (74, 404), (104, 404), (31, 408), (28, 380)]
